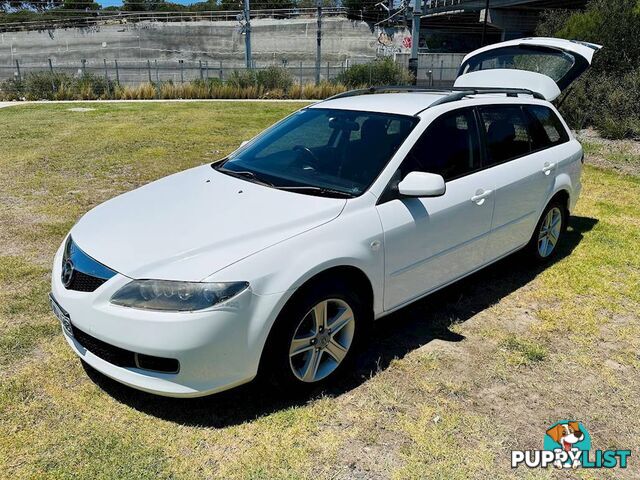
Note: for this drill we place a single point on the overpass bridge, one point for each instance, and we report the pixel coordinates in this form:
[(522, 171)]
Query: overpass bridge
[(457, 25), (431, 7)]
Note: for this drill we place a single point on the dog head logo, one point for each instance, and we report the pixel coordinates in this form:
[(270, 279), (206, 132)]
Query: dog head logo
[(566, 434), (570, 437)]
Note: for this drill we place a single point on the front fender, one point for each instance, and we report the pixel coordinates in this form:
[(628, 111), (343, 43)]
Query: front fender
[(353, 239)]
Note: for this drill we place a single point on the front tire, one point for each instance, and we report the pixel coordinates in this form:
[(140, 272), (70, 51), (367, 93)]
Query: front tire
[(544, 242), (316, 336)]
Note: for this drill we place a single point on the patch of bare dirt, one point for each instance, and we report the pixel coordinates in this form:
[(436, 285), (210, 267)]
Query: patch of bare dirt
[(622, 156)]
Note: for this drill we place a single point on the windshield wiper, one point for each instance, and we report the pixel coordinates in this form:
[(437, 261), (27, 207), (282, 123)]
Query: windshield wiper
[(245, 174), (248, 175), (317, 190)]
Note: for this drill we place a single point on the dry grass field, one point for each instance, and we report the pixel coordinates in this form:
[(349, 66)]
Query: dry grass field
[(446, 389)]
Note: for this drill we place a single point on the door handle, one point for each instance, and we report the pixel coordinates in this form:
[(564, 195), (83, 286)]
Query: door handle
[(548, 167), (480, 196)]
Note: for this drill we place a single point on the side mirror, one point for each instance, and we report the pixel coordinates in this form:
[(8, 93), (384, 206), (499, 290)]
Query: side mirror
[(422, 184), (244, 142)]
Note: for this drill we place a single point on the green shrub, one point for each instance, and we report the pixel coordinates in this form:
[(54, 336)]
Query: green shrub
[(12, 89), (44, 85), (274, 78), (608, 97), (310, 91), (242, 79), (609, 103), (379, 72), (207, 83), (91, 87), (57, 86)]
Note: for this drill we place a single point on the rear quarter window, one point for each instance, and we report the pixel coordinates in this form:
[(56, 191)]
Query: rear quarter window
[(546, 128)]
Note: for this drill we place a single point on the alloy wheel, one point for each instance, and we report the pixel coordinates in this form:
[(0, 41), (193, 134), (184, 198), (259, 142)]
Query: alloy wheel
[(549, 232), (321, 340)]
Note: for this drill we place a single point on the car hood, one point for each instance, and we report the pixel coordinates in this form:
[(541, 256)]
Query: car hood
[(194, 223)]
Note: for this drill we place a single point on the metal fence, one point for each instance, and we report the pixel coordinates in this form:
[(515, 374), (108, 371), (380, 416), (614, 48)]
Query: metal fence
[(135, 72), (433, 69)]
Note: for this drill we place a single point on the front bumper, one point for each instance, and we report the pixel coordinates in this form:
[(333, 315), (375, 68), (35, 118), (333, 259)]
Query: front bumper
[(217, 349)]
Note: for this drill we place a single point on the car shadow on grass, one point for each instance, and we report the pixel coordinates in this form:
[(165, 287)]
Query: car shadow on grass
[(392, 337)]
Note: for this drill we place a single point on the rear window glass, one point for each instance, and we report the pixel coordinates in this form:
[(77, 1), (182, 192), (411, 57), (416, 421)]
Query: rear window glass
[(549, 62), (506, 133)]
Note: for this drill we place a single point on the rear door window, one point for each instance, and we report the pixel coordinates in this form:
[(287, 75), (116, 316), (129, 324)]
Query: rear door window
[(545, 127), (506, 133)]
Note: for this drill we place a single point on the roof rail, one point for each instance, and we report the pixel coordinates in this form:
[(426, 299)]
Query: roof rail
[(388, 89), (460, 93), (453, 94)]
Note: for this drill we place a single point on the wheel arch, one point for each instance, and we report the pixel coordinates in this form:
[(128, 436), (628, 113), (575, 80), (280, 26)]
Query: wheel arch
[(353, 276), (563, 196), (351, 273)]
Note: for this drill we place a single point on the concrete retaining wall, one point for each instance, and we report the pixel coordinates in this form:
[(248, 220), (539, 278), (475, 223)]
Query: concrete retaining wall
[(273, 40), (182, 51)]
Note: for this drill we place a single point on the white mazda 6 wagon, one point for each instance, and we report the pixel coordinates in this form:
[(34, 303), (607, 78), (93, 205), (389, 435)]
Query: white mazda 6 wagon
[(277, 258)]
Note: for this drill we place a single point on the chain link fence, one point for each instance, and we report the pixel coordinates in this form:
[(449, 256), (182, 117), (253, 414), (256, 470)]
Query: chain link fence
[(438, 70)]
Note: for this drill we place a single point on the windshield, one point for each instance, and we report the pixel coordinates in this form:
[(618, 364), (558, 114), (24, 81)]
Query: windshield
[(322, 151)]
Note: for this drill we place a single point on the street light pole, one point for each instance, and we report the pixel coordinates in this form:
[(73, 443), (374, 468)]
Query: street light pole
[(484, 26), (415, 38), (319, 41), (247, 33)]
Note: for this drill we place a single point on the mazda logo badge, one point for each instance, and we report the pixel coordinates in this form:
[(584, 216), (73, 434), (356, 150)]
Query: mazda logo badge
[(67, 273)]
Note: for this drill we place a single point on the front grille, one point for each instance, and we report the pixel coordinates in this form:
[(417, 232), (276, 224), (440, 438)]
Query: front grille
[(109, 353), (124, 358), (82, 282), (80, 272)]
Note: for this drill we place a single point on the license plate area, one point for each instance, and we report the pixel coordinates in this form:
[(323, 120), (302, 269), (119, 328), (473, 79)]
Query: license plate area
[(62, 314)]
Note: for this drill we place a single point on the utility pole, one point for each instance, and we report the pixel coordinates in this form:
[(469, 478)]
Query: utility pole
[(415, 38), (319, 41), (247, 33), (484, 26)]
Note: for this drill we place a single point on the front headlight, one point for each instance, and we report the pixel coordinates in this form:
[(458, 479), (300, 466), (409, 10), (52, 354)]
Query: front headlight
[(174, 296)]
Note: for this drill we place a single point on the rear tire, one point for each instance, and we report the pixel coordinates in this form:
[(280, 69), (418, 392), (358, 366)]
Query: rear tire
[(316, 336), (548, 233)]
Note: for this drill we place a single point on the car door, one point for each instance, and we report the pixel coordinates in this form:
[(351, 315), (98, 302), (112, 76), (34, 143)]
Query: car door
[(519, 158), (429, 242), (546, 66), (519, 180)]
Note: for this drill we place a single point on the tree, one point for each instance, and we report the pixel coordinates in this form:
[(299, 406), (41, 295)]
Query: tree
[(38, 5), (142, 5), (608, 96), (230, 4), (80, 5), (613, 24)]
